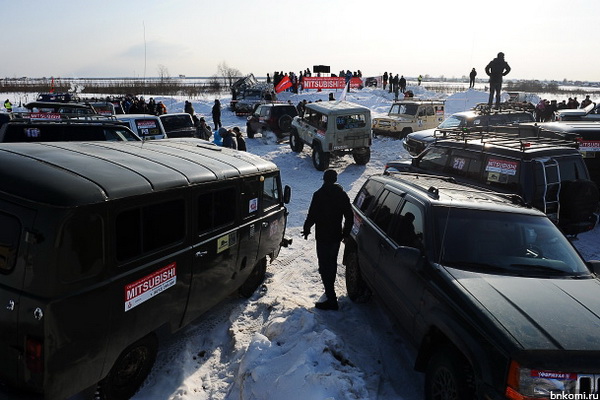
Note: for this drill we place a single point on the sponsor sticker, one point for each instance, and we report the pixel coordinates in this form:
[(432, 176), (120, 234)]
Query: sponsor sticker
[(553, 375), (226, 241), (589, 145), (502, 166), (253, 205), (146, 124), (149, 286)]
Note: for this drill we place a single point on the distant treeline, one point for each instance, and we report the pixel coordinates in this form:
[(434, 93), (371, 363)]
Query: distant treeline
[(114, 86)]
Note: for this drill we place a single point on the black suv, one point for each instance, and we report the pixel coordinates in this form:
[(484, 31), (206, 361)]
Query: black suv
[(547, 173), (275, 117), (494, 298), (479, 117), (24, 130)]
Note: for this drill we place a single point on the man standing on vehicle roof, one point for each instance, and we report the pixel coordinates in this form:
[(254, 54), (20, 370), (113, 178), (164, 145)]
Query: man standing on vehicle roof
[(496, 69), (328, 206)]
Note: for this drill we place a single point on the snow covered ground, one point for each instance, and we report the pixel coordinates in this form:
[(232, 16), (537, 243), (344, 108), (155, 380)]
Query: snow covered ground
[(276, 345)]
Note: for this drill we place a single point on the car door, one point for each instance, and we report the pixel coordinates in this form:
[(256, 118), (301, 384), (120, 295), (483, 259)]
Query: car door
[(401, 284), (16, 223)]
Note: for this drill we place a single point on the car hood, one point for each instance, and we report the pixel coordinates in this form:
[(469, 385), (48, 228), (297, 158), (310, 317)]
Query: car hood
[(538, 313), (426, 134)]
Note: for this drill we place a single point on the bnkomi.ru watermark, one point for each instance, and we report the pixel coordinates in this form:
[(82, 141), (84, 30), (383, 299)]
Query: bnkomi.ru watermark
[(573, 396)]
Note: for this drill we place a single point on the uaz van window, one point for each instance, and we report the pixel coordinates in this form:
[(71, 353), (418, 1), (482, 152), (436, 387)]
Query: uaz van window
[(81, 248), (142, 230), (216, 209), (10, 232), (270, 192)]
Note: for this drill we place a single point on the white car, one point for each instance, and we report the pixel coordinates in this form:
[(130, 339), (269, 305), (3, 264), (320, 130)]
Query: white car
[(147, 127)]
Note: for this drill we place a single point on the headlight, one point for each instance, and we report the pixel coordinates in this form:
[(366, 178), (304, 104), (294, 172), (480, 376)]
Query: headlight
[(526, 383)]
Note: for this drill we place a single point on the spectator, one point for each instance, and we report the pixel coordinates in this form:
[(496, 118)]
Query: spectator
[(189, 108), (229, 139), (402, 84), (161, 108), (420, 79), (586, 102), (202, 130), (216, 114), (218, 139), (8, 105), (385, 79), (241, 142), (472, 76), (496, 69)]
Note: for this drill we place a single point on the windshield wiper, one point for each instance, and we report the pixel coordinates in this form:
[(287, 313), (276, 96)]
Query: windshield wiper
[(473, 266), (544, 268)]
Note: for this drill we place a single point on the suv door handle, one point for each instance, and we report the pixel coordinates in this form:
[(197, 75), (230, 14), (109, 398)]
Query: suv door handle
[(201, 253), (265, 224)]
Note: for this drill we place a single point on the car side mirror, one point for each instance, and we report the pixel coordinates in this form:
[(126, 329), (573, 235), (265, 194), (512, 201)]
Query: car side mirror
[(287, 194)]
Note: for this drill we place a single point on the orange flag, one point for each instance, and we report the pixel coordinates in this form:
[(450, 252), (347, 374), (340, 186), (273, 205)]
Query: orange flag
[(283, 84)]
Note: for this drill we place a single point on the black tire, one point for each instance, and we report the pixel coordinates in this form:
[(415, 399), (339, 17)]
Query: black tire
[(362, 155), (130, 370), (578, 200), (404, 133), (448, 377), (284, 123), (296, 143), (255, 279), (356, 287), (249, 131), (320, 158)]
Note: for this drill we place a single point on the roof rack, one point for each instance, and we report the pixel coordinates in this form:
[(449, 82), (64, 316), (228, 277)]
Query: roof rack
[(62, 118), (507, 107), (521, 137)]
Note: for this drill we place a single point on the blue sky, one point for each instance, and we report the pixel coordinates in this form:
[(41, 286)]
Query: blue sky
[(65, 38)]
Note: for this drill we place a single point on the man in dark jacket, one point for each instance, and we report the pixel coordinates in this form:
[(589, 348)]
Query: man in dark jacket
[(328, 206), (496, 69), (472, 76), (216, 114)]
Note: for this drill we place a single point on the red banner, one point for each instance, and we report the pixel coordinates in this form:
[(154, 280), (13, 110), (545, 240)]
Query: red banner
[(283, 84), (311, 82)]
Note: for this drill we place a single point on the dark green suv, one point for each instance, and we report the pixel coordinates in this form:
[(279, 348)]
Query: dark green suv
[(494, 298)]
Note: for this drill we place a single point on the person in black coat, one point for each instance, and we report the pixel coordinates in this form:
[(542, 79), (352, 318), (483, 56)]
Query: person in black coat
[(241, 143), (496, 69), (329, 205), (216, 114), (472, 76)]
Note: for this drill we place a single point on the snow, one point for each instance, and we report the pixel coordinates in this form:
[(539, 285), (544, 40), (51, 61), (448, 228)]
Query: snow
[(276, 345)]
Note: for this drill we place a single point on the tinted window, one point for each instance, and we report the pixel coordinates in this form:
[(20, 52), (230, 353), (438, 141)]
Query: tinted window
[(386, 206), (408, 230), (466, 164), (367, 194), (216, 209), (81, 249), (10, 233), (452, 122), (350, 121), (435, 159), (142, 230), (502, 172)]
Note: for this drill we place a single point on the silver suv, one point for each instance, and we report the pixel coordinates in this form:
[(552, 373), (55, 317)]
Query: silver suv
[(333, 129)]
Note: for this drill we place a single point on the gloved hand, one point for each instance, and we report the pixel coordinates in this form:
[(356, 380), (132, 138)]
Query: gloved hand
[(305, 234)]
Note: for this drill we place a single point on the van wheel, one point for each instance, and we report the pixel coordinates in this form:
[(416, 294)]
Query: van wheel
[(362, 155), (295, 143), (320, 158), (356, 287), (130, 370), (256, 278), (448, 377)]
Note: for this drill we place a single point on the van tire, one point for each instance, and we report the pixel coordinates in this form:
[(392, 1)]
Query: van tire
[(320, 158), (448, 376), (362, 155), (404, 133), (578, 199), (130, 370), (255, 279), (296, 143)]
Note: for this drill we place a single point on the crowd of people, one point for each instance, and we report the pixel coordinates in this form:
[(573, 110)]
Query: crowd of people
[(545, 109)]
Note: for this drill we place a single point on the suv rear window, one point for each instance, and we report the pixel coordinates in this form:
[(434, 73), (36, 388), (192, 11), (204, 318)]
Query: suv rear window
[(350, 121), (9, 241)]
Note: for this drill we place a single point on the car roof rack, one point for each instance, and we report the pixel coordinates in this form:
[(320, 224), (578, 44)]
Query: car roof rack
[(514, 137), (64, 118), (504, 108)]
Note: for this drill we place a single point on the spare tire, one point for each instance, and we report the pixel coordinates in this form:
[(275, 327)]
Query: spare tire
[(285, 123), (578, 199)]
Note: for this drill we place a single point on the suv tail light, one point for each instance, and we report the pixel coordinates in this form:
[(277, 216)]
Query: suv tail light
[(34, 355)]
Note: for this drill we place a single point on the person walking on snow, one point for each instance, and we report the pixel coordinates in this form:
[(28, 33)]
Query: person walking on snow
[(472, 76), (329, 205)]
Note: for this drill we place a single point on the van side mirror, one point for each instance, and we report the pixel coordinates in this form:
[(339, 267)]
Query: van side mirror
[(594, 266), (287, 194)]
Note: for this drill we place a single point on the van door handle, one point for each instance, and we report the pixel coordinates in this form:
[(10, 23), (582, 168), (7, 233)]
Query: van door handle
[(201, 253), (11, 305), (265, 224)]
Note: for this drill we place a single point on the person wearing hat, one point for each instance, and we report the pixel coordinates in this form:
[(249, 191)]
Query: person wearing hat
[(328, 207), (496, 69)]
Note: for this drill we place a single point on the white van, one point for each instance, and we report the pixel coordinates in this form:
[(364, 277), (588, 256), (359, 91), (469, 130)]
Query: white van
[(146, 126)]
